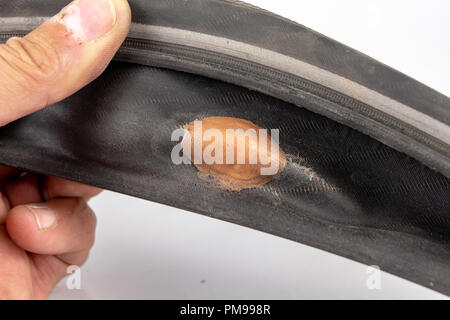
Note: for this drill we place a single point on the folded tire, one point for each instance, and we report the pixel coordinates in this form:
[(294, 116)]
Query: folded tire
[(368, 148)]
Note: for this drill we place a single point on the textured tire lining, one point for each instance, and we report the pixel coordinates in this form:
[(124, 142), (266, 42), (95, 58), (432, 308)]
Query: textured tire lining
[(299, 91), (261, 29), (342, 191)]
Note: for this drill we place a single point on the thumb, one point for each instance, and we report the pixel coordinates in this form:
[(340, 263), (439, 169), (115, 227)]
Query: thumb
[(61, 56)]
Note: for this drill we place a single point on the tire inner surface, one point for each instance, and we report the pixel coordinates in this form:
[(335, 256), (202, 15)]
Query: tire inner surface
[(341, 190)]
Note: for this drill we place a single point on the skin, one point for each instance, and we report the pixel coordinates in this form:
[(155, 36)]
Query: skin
[(46, 66)]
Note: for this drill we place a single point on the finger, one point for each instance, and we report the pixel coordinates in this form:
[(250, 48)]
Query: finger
[(4, 208), (61, 56), (46, 272), (59, 188), (33, 188), (6, 172), (61, 227), (15, 277), (25, 189)]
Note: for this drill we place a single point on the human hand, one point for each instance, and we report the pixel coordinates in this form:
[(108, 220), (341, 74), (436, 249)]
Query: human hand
[(45, 222)]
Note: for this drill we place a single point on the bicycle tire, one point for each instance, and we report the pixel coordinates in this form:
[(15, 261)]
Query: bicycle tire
[(368, 201)]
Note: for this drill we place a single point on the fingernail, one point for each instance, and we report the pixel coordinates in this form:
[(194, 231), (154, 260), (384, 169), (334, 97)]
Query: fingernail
[(45, 217), (88, 19)]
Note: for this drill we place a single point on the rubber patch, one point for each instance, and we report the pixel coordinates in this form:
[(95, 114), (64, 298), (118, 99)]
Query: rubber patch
[(235, 152)]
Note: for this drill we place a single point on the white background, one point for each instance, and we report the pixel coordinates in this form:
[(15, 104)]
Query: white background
[(149, 251)]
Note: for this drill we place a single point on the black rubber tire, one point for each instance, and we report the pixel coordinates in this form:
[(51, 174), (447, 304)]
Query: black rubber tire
[(342, 191), (238, 43)]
